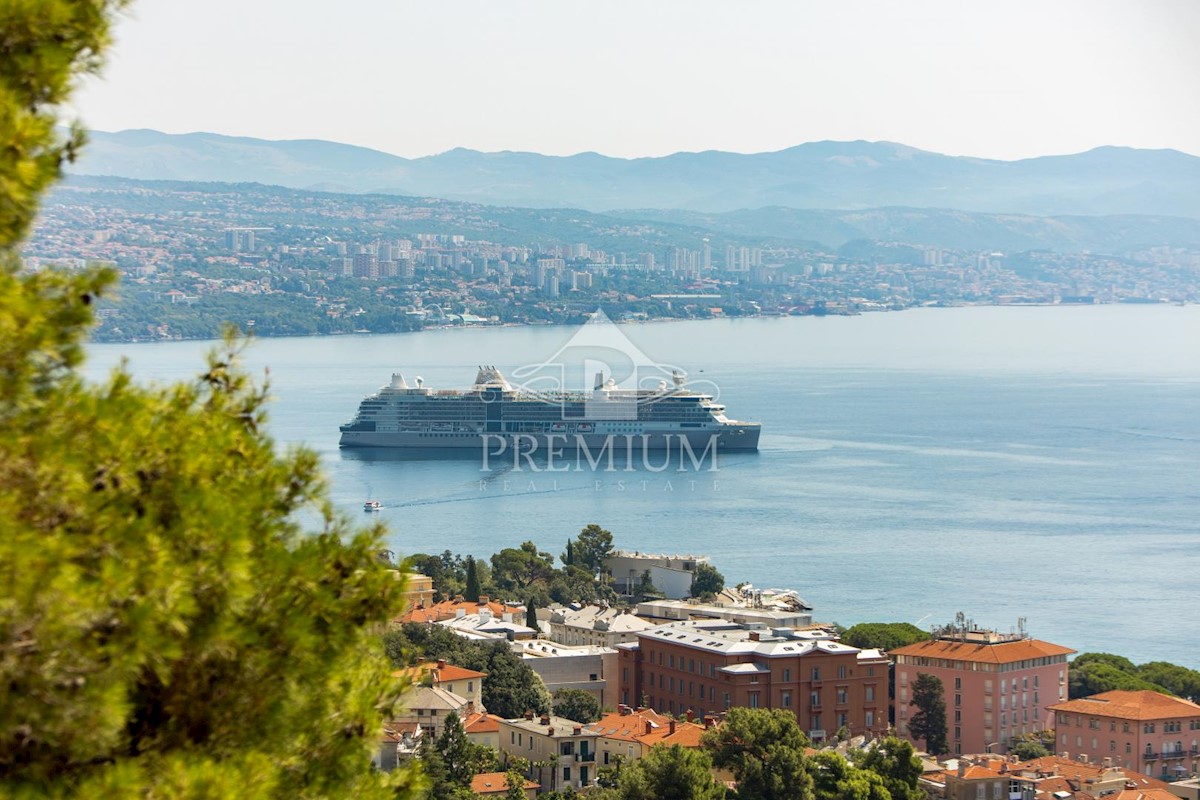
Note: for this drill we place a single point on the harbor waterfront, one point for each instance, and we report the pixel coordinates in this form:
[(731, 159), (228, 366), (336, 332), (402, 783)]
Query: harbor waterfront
[(1039, 462)]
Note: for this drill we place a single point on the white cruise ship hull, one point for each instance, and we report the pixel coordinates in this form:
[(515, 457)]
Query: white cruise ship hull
[(726, 438)]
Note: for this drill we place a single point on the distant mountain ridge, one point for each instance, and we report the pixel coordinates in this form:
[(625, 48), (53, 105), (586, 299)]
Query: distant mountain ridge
[(817, 175)]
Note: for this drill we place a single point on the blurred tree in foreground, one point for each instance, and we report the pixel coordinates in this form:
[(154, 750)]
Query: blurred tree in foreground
[(166, 627)]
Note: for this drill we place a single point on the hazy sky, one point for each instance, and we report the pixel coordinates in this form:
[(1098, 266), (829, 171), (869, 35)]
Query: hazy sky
[(635, 77)]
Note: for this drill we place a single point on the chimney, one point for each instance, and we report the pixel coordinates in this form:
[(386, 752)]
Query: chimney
[(640, 709), (470, 706), (962, 767), (671, 728), (709, 721), (691, 715), (649, 726), (545, 719), (528, 715), (754, 637), (483, 599), (624, 710), (441, 663), (458, 598), (506, 617), (459, 613), (577, 730)]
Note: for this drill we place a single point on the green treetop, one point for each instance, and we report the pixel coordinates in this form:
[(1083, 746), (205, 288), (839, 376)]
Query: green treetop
[(166, 627), (765, 751), (929, 721)]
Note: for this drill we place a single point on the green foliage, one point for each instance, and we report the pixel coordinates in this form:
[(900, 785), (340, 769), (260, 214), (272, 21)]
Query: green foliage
[(531, 620), (166, 627), (1120, 662), (929, 721), (590, 548), (896, 763), (646, 587), (47, 45), (669, 773), (765, 751), (835, 778), (576, 705), (450, 761), (706, 580), (883, 635), (516, 569), (1092, 673), (472, 591), (159, 595), (515, 782), (1175, 679), (1095, 677), (1026, 749), (510, 689)]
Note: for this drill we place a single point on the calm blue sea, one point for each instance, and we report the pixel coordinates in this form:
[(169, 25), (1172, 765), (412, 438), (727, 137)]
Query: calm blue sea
[(1039, 462)]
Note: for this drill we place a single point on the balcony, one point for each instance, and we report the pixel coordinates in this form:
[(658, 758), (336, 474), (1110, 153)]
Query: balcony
[(585, 757), (1151, 756)]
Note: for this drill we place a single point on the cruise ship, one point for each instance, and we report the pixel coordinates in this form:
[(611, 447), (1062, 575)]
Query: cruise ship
[(494, 415)]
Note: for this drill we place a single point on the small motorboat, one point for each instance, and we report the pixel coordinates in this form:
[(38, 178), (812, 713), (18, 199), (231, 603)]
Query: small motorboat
[(372, 505)]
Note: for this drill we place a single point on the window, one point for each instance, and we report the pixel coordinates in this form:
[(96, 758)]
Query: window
[(870, 693), (870, 719), (958, 699), (843, 720), (787, 676), (815, 699), (957, 732), (754, 699), (566, 774), (725, 697), (1112, 745), (841, 671), (957, 684), (816, 673), (1128, 747), (841, 696), (785, 699), (870, 672)]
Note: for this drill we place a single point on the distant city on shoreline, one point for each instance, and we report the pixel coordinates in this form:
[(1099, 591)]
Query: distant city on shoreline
[(194, 257)]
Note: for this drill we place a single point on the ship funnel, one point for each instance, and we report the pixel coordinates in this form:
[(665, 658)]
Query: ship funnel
[(678, 377), (599, 380), (398, 381)]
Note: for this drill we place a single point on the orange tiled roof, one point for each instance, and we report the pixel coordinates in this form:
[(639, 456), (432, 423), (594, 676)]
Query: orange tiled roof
[(1050, 774), (441, 674), (448, 609), (1144, 794), (482, 723), (999, 653), (1139, 705), (496, 783), (631, 727)]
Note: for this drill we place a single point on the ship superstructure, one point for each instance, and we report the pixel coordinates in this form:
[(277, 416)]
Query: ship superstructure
[(492, 412)]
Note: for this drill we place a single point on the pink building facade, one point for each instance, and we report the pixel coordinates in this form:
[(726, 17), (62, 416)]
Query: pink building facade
[(997, 687), (1149, 732)]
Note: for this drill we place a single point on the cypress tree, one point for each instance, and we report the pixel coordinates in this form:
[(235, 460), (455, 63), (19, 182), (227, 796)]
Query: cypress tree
[(531, 620), (472, 591)]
